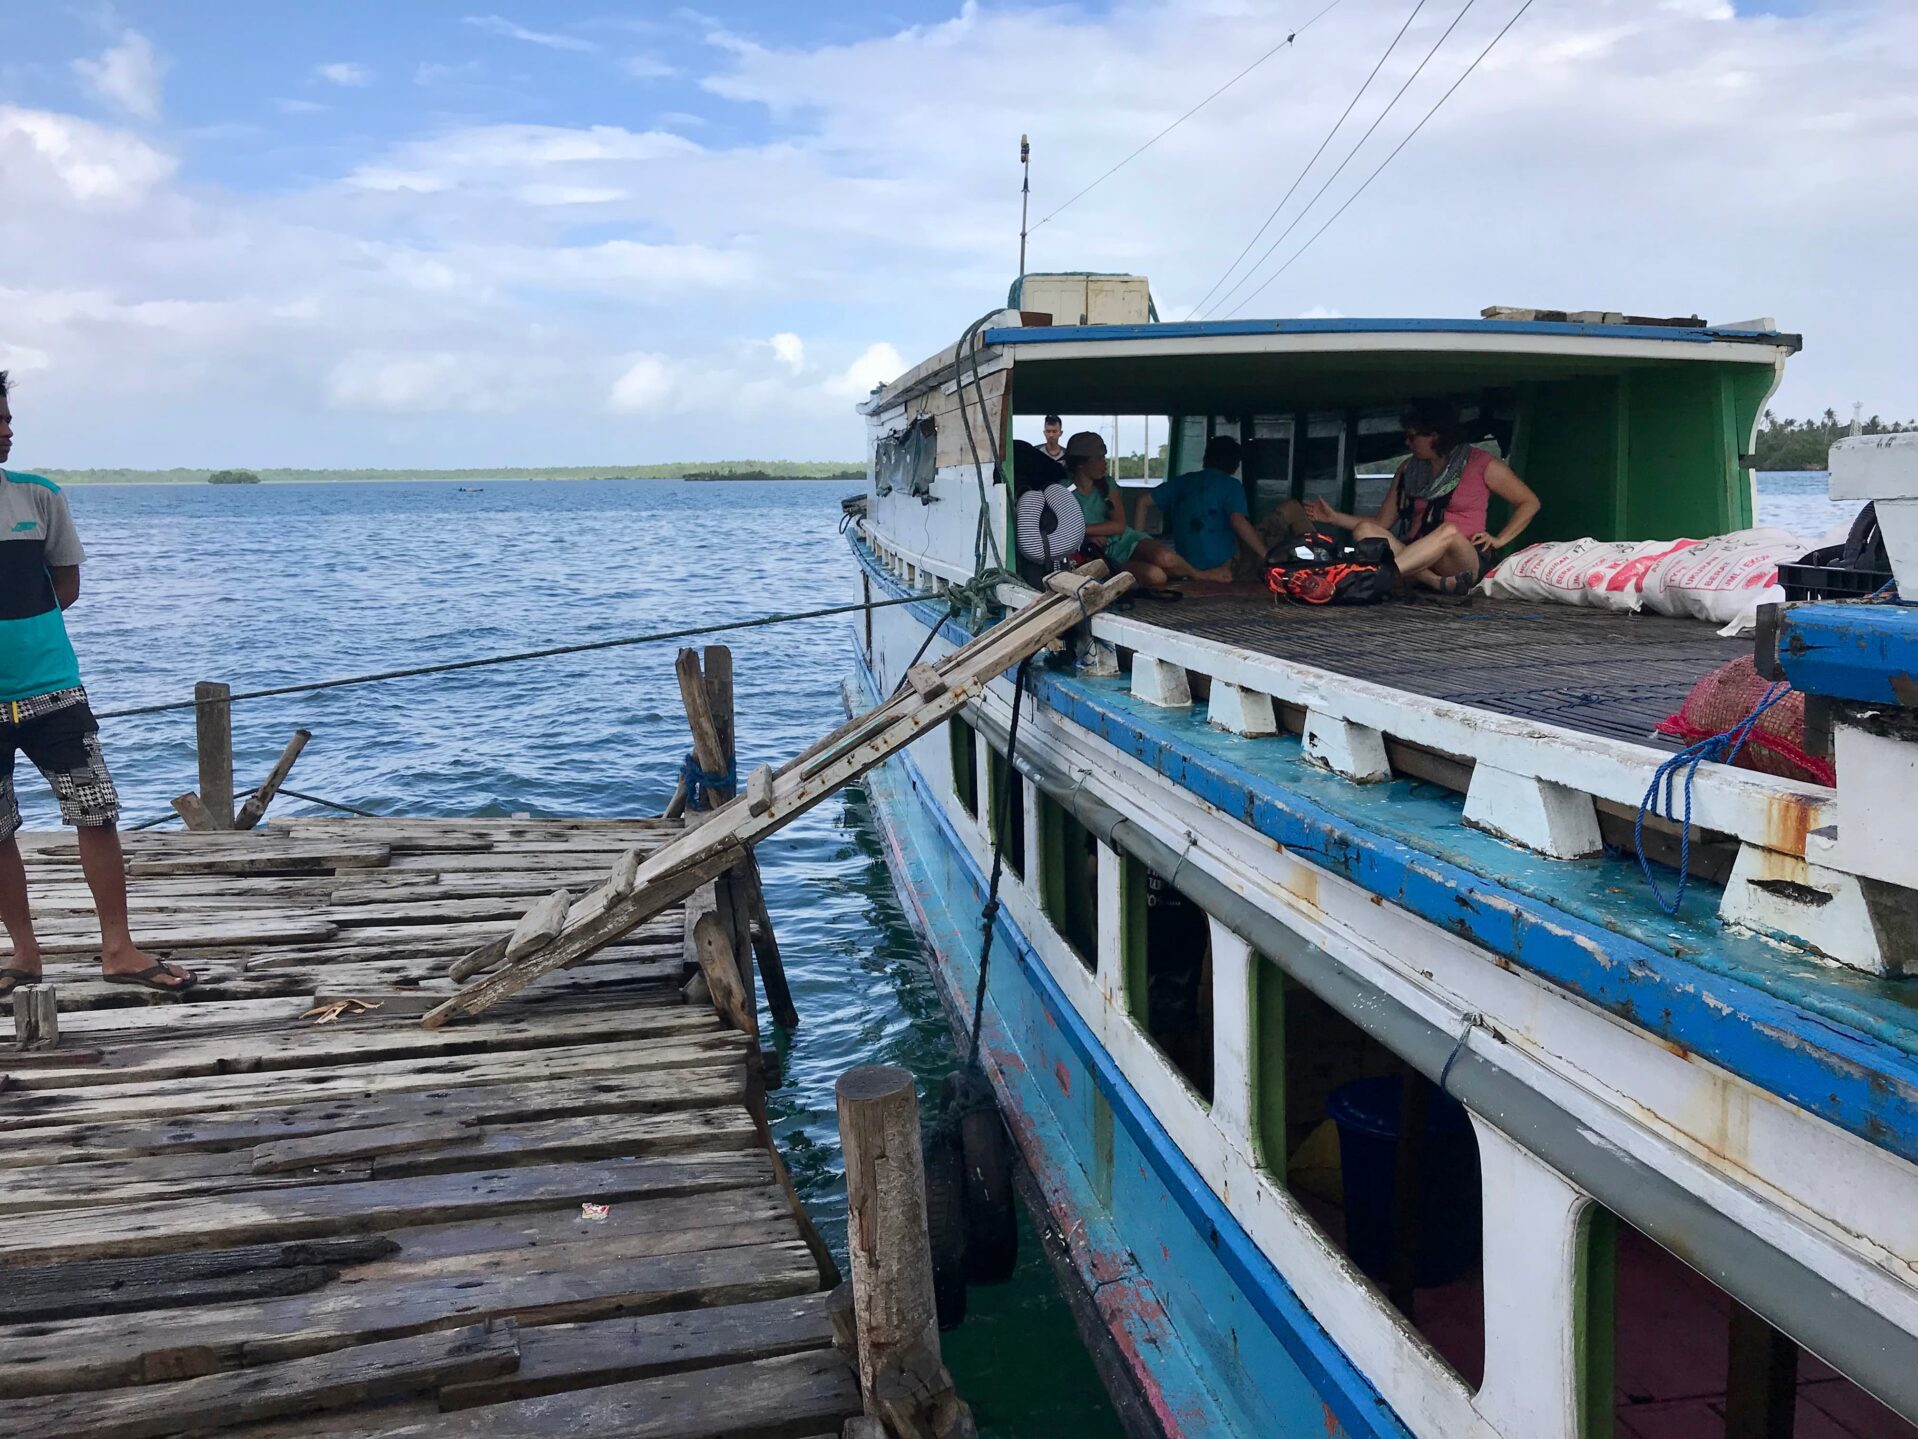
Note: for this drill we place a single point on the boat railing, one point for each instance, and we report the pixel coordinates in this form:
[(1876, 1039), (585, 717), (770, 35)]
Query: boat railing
[(1552, 790)]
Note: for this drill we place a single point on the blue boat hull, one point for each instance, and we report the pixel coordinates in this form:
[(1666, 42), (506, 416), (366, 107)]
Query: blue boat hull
[(1215, 1340)]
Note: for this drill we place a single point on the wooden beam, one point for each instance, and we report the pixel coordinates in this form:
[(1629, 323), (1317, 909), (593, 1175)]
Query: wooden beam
[(721, 972), (256, 803), (197, 816), (213, 737), (895, 1316), (365, 1374), (925, 681), (772, 964), (759, 790), (36, 1017)]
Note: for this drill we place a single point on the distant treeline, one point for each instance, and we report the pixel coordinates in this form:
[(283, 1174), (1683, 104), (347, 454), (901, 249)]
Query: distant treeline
[(1806, 444), (707, 469)]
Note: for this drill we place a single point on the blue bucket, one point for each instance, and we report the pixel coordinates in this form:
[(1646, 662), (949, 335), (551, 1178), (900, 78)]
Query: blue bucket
[(1366, 1112)]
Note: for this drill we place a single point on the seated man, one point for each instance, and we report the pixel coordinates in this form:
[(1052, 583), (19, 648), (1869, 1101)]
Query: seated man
[(1205, 512), (1435, 513)]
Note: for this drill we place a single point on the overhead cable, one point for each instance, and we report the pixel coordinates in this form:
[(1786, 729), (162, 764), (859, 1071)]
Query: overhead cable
[(1299, 178), (1350, 155), (1194, 110), (1393, 156)]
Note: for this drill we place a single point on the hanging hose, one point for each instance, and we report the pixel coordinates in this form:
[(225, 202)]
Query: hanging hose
[(1720, 749)]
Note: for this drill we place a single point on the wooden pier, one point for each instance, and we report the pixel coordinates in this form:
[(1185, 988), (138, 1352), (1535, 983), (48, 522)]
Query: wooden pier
[(236, 1213)]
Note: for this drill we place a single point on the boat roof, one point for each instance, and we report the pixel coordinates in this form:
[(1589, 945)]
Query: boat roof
[(1207, 366)]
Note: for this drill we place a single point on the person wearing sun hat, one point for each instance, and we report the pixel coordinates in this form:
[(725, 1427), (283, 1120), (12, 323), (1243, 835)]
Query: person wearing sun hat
[(1121, 546)]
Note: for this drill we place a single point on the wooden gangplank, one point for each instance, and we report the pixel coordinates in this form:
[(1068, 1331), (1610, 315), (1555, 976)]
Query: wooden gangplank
[(561, 931), (222, 1215)]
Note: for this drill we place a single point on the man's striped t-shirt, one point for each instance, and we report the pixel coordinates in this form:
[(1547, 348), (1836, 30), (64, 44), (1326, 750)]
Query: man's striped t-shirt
[(36, 537)]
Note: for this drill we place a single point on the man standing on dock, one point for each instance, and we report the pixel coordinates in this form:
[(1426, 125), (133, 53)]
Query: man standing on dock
[(44, 714)]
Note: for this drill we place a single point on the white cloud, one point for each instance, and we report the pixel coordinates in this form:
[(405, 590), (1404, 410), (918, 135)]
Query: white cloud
[(428, 383), (126, 77), (433, 72), (1598, 159), (647, 386), (349, 74), (301, 107), (87, 163), (500, 25), (790, 349), (876, 364), (648, 67)]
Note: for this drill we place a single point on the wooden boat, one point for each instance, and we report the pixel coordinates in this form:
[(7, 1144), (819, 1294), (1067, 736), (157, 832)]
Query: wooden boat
[(1283, 885)]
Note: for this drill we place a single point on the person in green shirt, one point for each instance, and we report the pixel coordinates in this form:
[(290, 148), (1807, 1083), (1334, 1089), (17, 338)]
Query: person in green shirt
[(1205, 512), (44, 715), (1122, 547)]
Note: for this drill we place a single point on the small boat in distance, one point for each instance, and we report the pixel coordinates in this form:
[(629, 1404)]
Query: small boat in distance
[(1364, 1084)]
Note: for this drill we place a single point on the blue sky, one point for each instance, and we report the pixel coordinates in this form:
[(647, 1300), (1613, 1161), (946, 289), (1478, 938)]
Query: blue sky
[(419, 233)]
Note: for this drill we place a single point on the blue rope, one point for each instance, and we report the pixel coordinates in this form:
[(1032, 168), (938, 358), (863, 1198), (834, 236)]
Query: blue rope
[(703, 786), (1719, 749)]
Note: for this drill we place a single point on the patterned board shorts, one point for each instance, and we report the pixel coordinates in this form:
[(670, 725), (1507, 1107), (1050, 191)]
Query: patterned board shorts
[(60, 735)]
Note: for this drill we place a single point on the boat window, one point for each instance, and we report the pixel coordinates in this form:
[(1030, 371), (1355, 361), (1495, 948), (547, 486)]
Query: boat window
[(1267, 464), (964, 742), (1166, 945), (1069, 878), (1008, 798), (1668, 1352), (1321, 465), (1329, 1106)]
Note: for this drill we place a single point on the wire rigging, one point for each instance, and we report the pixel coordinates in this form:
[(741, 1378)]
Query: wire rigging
[(1299, 178), (1350, 155), (1193, 111), (1490, 45)]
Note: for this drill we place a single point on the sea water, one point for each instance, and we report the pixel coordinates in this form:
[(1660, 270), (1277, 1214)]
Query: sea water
[(277, 584)]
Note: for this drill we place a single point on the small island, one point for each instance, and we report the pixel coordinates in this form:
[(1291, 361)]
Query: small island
[(233, 477)]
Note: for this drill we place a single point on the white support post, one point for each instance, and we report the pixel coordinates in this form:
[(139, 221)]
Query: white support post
[(1345, 748), (1241, 711), (1097, 659), (1552, 819), (1231, 1035), (1160, 682), (1532, 1221), (1029, 794), (1825, 909)]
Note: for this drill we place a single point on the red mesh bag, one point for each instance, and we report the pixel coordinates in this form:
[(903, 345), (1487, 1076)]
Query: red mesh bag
[(1776, 744)]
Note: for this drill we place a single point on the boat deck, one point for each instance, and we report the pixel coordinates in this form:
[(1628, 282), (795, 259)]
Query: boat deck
[(1588, 670), (232, 1214)]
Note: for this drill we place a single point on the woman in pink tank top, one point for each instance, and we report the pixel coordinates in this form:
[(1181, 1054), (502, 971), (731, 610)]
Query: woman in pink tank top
[(1435, 514)]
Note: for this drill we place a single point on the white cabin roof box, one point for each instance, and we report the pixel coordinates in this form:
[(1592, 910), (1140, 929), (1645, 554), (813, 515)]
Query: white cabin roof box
[(1080, 298)]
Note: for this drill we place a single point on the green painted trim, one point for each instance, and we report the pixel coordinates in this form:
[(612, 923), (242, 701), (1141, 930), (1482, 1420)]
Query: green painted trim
[(963, 750), (1000, 776), (1594, 1321), (1132, 939), (1266, 1004)]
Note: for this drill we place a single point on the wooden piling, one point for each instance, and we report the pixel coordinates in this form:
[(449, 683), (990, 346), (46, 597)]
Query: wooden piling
[(900, 1372), (36, 1017), (213, 732), (255, 807)]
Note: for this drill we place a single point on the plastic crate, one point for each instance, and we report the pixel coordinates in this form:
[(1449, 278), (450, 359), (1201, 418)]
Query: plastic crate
[(1830, 582)]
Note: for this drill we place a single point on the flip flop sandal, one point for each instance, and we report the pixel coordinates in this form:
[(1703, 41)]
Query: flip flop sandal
[(14, 978), (148, 978)]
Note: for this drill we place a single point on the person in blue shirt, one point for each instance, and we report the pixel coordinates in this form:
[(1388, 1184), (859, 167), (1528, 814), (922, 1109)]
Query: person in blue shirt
[(44, 715), (1205, 514)]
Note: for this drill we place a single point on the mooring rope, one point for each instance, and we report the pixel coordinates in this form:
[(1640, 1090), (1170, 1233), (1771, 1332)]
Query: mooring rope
[(450, 666)]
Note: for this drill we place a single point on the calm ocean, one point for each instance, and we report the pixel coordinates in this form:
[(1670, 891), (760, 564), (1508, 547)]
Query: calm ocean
[(268, 585)]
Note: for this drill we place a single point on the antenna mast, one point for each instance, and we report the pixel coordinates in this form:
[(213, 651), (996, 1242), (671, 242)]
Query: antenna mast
[(1025, 198)]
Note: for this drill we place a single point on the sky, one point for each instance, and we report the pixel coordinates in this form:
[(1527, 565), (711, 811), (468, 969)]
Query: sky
[(415, 233)]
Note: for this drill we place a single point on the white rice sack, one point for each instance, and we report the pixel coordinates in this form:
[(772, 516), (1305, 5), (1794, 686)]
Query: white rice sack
[(1615, 578), (1553, 570), (1724, 579)]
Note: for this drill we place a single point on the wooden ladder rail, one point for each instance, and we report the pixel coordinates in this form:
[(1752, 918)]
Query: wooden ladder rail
[(682, 866)]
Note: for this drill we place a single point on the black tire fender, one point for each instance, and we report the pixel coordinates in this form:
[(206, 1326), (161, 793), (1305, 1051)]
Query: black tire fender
[(992, 1217), (946, 1225)]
